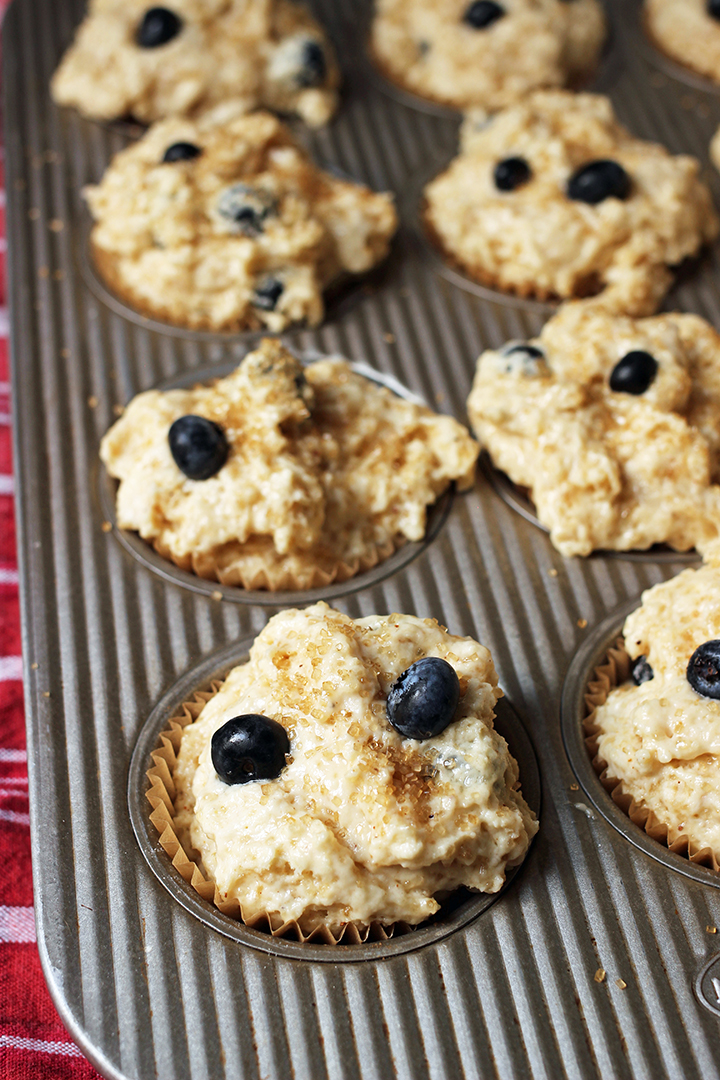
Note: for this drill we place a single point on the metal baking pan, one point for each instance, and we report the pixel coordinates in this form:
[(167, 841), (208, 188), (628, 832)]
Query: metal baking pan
[(146, 987)]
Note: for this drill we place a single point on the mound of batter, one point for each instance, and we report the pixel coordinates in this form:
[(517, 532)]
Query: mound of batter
[(362, 824), (130, 59), (687, 31), (658, 733), (613, 424), (324, 473), (465, 52), (231, 226), (554, 198)]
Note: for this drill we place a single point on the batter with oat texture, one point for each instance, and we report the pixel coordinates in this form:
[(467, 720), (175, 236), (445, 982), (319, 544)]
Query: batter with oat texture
[(362, 823), (613, 424)]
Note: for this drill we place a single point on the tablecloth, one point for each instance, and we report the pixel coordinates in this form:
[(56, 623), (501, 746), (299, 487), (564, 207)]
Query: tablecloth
[(34, 1045)]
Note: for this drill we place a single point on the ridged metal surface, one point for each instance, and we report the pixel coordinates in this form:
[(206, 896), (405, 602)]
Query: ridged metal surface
[(145, 988)]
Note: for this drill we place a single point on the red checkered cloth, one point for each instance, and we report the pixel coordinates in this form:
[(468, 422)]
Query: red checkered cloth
[(34, 1045)]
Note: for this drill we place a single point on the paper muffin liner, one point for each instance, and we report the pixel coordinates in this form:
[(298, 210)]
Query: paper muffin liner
[(161, 795), (606, 677)]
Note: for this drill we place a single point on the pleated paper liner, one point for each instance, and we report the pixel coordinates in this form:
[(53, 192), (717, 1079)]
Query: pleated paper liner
[(606, 677), (161, 795)]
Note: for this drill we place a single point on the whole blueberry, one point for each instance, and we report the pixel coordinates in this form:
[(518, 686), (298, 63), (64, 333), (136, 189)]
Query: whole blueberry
[(634, 374), (713, 8), (511, 173), (248, 748), (159, 25), (198, 446), (423, 700), (599, 180), (483, 13), (703, 671), (181, 151), (246, 208), (641, 671), (313, 65), (267, 294)]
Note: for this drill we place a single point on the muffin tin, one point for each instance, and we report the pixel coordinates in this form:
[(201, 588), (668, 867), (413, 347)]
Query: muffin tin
[(597, 959)]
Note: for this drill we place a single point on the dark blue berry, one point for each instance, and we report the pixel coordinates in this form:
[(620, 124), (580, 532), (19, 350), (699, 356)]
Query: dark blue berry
[(313, 65), (198, 446), (247, 208), (423, 700), (526, 349), (267, 294), (511, 173), (248, 748), (713, 8), (703, 671), (483, 13), (641, 671), (634, 374), (181, 151), (524, 359), (158, 26), (599, 180)]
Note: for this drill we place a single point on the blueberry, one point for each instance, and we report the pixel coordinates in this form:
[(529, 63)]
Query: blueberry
[(181, 151), (599, 180), (703, 671), (198, 446), (423, 700), (511, 173), (247, 208), (641, 671), (634, 374), (522, 358), (313, 65), (158, 26), (248, 748), (267, 294), (483, 13), (713, 8)]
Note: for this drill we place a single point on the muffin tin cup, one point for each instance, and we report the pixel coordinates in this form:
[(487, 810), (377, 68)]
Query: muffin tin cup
[(517, 499), (398, 554), (600, 665), (150, 805)]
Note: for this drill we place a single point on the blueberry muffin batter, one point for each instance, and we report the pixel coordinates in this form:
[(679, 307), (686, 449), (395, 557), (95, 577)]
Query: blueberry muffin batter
[(477, 52), (350, 772), (553, 198), (230, 226), (659, 732), (687, 31), (131, 59), (613, 424), (280, 476)]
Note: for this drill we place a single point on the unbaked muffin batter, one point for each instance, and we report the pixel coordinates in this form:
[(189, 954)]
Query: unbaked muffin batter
[(465, 53), (659, 735), (132, 59), (613, 424), (326, 472), (230, 226), (687, 32), (554, 198), (362, 824)]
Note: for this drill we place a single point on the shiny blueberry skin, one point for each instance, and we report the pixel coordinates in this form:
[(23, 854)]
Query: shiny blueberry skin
[(511, 173), (599, 180), (198, 446), (423, 700), (713, 8), (158, 26), (313, 71), (483, 13), (641, 671), (267, 294), (703, 671), (249, 747), (634, 374), (181, 151)]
